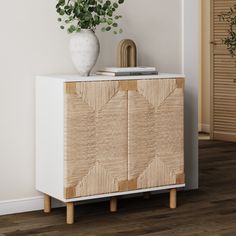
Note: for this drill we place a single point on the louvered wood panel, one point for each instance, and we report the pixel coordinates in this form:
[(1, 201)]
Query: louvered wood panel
[(223, 78), (155, 121), (96, 138)]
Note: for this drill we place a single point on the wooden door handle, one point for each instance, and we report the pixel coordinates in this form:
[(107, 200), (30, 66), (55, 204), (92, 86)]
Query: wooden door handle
[(213, 43)]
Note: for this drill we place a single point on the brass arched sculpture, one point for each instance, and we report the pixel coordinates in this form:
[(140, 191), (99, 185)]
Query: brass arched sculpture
[(127, 53)]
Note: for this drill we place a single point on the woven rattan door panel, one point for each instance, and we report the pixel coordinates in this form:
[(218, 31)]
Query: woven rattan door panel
[(223, 78), (155, 136), (96, 138)]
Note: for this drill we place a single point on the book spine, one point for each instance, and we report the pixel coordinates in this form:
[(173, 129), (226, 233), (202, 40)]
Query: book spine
[(135, 73), (126, 73)]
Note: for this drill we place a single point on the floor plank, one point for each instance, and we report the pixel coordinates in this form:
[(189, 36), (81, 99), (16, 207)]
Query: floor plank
[(211, 210)]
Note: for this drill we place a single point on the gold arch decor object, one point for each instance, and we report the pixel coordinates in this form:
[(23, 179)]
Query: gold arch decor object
[(127, 53)]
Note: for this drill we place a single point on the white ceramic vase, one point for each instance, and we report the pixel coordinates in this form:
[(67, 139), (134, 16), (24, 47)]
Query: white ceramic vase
[(84, 48)]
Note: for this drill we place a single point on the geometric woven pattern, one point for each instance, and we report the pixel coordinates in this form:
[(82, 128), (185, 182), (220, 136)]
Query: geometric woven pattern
[(122, 135), (155, 136), (95, 138)]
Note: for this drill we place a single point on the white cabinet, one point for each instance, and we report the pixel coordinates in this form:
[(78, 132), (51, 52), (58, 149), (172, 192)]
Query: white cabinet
[(108, 136)]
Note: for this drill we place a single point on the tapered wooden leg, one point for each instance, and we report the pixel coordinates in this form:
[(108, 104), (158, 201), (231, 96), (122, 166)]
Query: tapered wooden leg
[(113, 204), (146, 195), (173, 198), (47, 203), (70, 213)]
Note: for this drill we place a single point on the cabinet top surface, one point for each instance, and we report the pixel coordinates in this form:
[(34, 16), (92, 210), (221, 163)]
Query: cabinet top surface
[(76, 78)]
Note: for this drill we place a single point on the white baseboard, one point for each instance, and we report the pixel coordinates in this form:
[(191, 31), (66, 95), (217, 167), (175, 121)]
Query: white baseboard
[(21, 205), (24, 205)]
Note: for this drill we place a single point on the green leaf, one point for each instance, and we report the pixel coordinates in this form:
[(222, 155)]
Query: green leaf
[(115, 5), (118, 17), (61, 12), (62, 2), (109, 21), (102, 20), (91, 9), (108, 3), (109, 13), (88, 14), (96, 19), (71, 29)]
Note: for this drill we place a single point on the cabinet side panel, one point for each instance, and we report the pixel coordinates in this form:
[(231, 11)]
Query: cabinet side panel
[(49, 136), (155, 121), (96, 140)]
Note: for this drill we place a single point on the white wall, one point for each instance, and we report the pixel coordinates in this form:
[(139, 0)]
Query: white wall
[(206, 65), (31, 43), (156, 30)]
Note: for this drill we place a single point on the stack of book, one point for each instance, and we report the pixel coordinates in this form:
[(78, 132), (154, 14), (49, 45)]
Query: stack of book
[(127, 71)]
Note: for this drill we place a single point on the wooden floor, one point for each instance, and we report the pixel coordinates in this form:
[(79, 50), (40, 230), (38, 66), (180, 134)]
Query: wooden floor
[(211, 210)]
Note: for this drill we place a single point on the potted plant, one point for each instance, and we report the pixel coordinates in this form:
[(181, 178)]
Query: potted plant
[(230, 40), (82, 18)]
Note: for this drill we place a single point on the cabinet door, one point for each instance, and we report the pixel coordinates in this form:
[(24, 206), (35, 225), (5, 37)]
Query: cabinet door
[(95, 138), (155, 133)]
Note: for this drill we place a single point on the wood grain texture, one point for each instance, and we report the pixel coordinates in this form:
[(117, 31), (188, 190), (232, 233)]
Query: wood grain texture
[(47, 203), (223, 84), (180, 83), (113, 204), (70, 213), (155, 121), (70, 88), (180, 179), (128, 85), (95, 139), (128, 185), (173, 195), (209, 211)]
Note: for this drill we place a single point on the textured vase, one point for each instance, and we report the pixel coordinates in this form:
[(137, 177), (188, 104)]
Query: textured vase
[(84, 48)]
